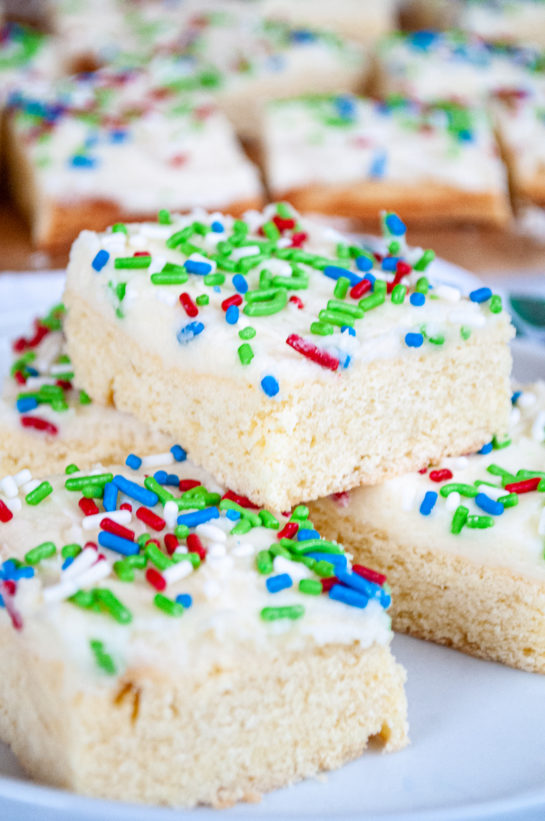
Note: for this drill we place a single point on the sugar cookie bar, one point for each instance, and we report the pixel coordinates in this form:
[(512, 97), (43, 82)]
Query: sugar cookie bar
[(271, 335), (171, 643), (27, 58), (520, 121), (346, 155), (46, 422), (118, 145), (462, 542), (364, 22), (451, 65)]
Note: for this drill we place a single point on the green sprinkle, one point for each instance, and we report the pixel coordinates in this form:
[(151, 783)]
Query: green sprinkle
[(152, 484), (111, 604), (84, 398), (241, 527), (495, 304), (371, 301), (102, 658), (251, 515), (480, 522), (138, 560), (324, 568), (496, 470), (271, 231), (268, 520), (422, 285), (247, 333), (119, 228), (294, 611), (163, 217), (38, 494), (91, 491), (132, 262), (459, 519), (499, 444), (336, 318), (509, 500), (179, 237), (123, 571), (341, 288), (78, 482), (380, 287), (465, 332), (194, 558), (321, 328), (171, 608), (345, 308), (283, 210), (157, 557), (394, 248), (398, 294), (170, 277), (214, 279), (71, 469), (264, 562), (70, 551), (39, 553), (458, 487), (310, 586), (422, 263), (245, 354), (265, 302), (143, 539), (85, 599), (300, 512), (343, 251)]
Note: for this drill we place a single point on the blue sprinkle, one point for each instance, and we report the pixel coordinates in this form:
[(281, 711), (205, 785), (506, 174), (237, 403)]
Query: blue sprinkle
[(280, 582), (109, 500), (118, 543), (233, 515), (232, 314), (216, 289), (270, 385), (185, 600), (179, 453), (428, 503), (196, 266), (372, 279), (417, 299), (67, 562), (82, 161), (423, 39), (486, 449), (369, 589), (91, 141), (118, 136), (348, 596), (515, 397), (465, 136), (217, 227), (395, 225), (306, 533), (26, 403), (480, 294), (198, 517), (133, 461), (240, 283), (172, 479), (346, 329), (335, 272), (2, 601), (8, 569), (160, 476), (100, 260), (345, 106), (303, 36), (377, 169), (413, 340), (363, 263), (489, 505), (24, 573), (32, 371), (344, 358), (389, 263), (141, 494), (338, 561), (189, 332)]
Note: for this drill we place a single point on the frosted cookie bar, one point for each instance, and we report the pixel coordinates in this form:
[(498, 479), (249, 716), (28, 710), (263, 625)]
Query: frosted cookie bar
[(116, 145), (348, 155), (364, 22), (520, 120), (27, 58), (168, 642), (462, 542), (45, 421), (452, 65), (272, 334)]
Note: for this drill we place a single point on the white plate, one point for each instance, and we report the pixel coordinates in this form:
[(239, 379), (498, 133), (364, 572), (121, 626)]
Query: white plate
[(477, 728)]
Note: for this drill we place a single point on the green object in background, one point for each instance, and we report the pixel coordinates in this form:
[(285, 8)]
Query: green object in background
[(528, 314)]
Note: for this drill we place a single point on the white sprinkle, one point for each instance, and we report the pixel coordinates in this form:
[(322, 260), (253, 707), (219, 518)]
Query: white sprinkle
[(61, 367), (22, 477), (407, 497), (201, 258), (82, 562), (514, 417), (245, 251), (243, 549), (9, 488), (98, 571), (284, 242), (28, 487), (448, 293), (538, 428), (216, 550), (211, 589), (122, 517), (170, 514), (38, 382), (493, 492), (177, 571), (453, 500), (156, 231), (67, 587), (115, 242), (14, 505), (157, 264), (155, 459), (181, 549), (541, 525), (60, 591), (455, 462), (297, 570), (208, 531), (526, 399)]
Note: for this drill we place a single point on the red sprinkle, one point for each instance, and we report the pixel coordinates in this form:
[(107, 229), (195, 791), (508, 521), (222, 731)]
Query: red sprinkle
[(126, 506), (360, 288), (283, 223), (523, 487), (141, 254), (312, 352), (243, 501), (328, 583), (370, 575), (64, 384), (156, 542), (22, 344), (88, 507), (403, 268), (171, 543), (155, 579), (114, 527), (235, 299), (194, 545), (19, 377), (298, 238), (423, 470), (150, 518), (5, 512), (188, 484), (288, 531), (440, 475), (38, 424), (342, 498), (10, 587), (297, 301), (188, 305), (92, 545)]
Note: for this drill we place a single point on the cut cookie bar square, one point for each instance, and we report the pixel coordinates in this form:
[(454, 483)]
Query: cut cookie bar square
[(346, 155), (353, 19), (462, 542), (288, 359), (165, 642)]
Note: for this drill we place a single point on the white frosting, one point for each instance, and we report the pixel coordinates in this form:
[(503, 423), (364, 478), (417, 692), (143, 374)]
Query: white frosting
[(155, 322), (27, 60), (520, 21), (404, 144), (515, 541)]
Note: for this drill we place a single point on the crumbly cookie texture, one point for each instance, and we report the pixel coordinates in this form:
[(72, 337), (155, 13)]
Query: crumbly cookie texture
[(46, 421), (118, 145), (462, 542), (259, 342), (348, 153), (168, 641)]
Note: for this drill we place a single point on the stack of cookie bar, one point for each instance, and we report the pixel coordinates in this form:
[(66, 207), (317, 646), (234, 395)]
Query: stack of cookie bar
[(288, 362)]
